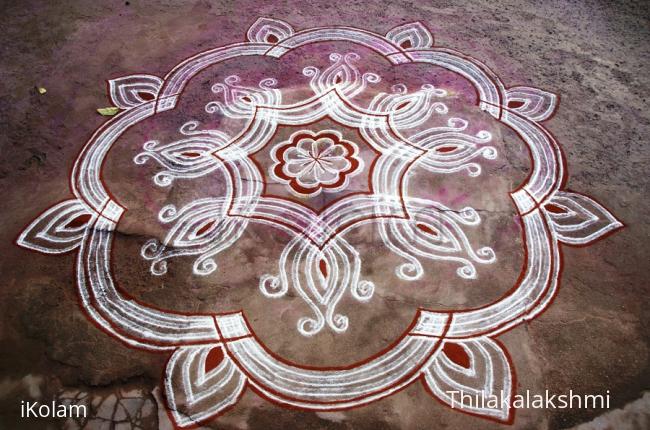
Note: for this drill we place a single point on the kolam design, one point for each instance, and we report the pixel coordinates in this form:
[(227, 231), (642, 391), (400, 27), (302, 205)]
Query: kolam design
[(214, 358)]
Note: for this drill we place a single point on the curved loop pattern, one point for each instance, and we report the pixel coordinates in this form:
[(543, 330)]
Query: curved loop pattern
[(216, 356), (131, 91)]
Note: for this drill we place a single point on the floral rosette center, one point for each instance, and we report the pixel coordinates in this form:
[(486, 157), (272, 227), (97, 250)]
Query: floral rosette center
[(313, 162)]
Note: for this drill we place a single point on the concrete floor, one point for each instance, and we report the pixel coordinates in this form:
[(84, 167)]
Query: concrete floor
[(593, 338)]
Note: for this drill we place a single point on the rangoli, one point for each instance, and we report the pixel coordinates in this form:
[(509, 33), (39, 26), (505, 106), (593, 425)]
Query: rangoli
[(317, 160)]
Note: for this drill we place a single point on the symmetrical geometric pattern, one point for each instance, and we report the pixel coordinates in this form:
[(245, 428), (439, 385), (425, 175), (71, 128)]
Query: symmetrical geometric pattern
[(215, 357), (310, 163)]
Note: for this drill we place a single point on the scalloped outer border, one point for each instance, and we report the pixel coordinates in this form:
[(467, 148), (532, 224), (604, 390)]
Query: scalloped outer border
[(548, 215)]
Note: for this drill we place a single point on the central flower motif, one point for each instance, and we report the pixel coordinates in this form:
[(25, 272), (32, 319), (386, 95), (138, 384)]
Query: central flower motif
[(312, 162)]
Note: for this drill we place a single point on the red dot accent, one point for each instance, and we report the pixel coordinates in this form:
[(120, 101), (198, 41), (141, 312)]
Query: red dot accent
[(146, 96), (428, 230), (402, 105), (514, 104), (205, 228), (554, 208), (191, 154), (445, 149), (457, 354), (322, 265), (215, 356), (78, 221)]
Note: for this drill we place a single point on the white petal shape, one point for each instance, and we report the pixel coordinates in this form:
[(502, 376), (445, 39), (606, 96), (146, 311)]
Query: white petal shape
[(130, 91), (268, 30), (577, 219), (533, 103), (59, 229), (201, 383), (321, 145), (299, 167), (310, 176), (411, 36), (297, 154), (326, 176), (477, 368), (333, 151), (307, 146), (335, 164)]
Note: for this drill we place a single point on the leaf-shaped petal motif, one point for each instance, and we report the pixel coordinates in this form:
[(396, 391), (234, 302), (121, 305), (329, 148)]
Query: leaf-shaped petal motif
[(200, 383), (436, 233), (130, 91), (200, 228), (452, 149), (59, 229), (577, 219), (479, 370), (268, 30), (533, 103), (320, 277), (409, 110), (411, 36), (190, 157), (240, 101)]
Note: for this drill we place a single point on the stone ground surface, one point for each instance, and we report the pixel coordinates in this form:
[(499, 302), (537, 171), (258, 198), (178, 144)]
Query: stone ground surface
[(594, 337)]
